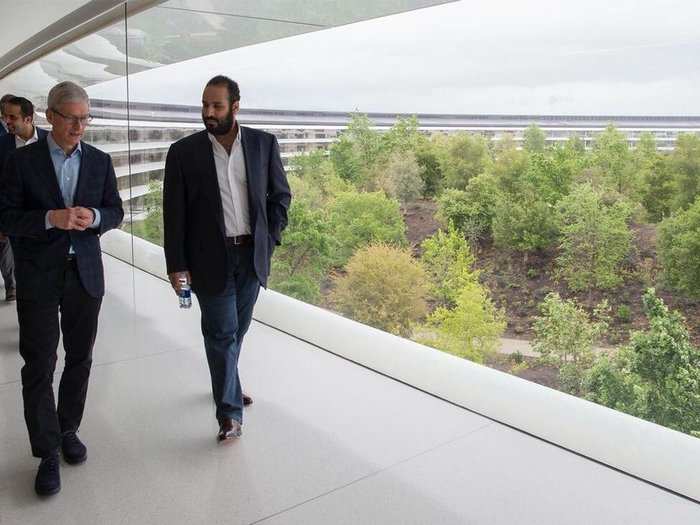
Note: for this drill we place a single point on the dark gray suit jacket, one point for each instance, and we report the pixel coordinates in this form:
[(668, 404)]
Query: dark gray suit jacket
[(193, 214), (28, 189), (8, 144)]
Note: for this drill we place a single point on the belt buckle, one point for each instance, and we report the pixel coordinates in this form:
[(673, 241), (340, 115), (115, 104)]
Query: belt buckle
[(237, 240)]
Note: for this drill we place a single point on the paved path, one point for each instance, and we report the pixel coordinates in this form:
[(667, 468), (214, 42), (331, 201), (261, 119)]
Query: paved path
[(511, 346)]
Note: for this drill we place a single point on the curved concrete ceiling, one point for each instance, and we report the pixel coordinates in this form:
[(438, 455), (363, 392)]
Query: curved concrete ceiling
[(93, 43), (47, 26)]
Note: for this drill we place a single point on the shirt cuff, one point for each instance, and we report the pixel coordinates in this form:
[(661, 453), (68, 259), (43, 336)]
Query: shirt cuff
[(47, 224), (98, 218)]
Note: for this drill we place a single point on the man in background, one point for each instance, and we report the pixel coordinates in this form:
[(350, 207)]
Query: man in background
[(18, 115)]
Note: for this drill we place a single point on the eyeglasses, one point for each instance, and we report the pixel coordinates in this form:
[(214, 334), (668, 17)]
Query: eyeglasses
[(83, 121)]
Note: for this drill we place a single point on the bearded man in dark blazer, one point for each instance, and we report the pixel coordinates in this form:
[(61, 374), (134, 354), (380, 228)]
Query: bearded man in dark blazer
[(57, 196), (225, 201)]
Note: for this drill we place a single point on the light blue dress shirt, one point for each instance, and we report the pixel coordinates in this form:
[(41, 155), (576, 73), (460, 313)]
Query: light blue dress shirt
[(67, 168)]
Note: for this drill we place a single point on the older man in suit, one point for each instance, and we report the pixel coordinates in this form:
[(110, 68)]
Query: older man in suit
[(19, 116), (225, 205), (57, 196)]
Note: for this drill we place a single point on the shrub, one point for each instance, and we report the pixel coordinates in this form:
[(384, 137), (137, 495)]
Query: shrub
[(383, 287), (656, 376), (472, 328), (595, 239), (302, 261), (526, 223), (684, 164), (462, 157), (565, 337), (679, 249), (624, 313), (401, 178), (448, 260), (153, 224), (359, 219), (470, 211)]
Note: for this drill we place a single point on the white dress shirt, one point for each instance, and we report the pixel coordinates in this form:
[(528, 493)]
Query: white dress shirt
[(19, 141), (233, 185)]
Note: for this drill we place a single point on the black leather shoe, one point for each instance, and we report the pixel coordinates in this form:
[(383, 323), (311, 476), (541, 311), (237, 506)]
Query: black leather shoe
[(247, 400), (48, 478), (74, 451)]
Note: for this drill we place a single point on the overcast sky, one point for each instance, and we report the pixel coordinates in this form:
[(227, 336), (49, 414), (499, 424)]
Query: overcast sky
[(477, 56)]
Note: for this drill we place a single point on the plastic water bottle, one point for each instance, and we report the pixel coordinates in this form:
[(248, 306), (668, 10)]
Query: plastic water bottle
[(185, 294)]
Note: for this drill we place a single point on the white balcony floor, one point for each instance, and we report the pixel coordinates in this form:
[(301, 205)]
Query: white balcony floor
[(326, 441)]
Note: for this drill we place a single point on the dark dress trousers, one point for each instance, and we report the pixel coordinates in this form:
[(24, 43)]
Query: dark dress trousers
[(49, 280)]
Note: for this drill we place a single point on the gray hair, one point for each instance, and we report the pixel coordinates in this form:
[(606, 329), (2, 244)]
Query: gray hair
[(64, 92)]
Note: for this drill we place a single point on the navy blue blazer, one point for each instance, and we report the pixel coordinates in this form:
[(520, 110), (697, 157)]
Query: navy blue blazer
[(8, 144), (194, 229), (28, 189)]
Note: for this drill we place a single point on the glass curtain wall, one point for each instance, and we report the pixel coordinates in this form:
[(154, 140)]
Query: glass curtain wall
[(467, 227), (96, 58)]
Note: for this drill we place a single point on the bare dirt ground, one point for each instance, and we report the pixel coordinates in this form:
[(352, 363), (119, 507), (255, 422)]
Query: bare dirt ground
[(518, 283)]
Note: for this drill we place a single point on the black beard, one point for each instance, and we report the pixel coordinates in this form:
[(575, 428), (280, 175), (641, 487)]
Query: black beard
[(222, 126)]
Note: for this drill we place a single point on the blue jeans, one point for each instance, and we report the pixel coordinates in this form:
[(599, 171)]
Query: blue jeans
[(225, 320)]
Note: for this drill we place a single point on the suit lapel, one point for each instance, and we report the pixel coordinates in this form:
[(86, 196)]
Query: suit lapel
[(44, 166)]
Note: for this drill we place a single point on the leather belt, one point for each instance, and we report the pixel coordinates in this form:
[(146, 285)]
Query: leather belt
[(239, 240)]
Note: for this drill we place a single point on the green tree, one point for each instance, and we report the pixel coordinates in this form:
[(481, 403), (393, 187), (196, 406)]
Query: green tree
[(534, 139), (402, 137), (595, 239), (314, 180), (611, 156), (401, 178), (566, 337), (656, 190), (657, 376), (524, 223), (509, 167), (462, 156), (570, 160), (679, 249), (449, 262), (470, 211), (383, 286), (428, 159), (471, 329), (684, 164), (153, 224), (302, 261), (359, 219), (354, 154)]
